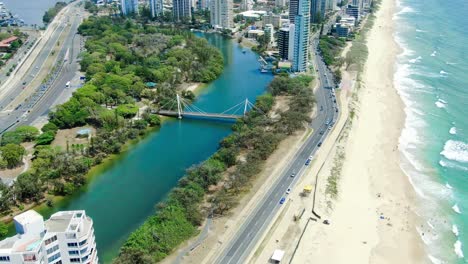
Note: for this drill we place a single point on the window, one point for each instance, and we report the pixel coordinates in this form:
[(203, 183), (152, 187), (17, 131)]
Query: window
[(83, 259), (83, 250), (5, 258), (83, 242), (73, 252), (72, 244), (52, 249), (58, 262), (75, 260), (54, 257), (29, 257), (50, 240)]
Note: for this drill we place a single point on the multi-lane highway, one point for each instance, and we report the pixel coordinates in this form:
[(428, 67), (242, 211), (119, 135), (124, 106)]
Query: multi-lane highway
[(44, 95), (241, 245)]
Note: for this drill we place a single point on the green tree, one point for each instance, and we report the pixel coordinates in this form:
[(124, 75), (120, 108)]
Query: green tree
[(45, 138), (27, 187), (3, 229), (12, 154)]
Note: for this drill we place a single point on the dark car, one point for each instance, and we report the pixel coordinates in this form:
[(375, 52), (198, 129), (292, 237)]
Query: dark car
[(282, 200), (319, 144)]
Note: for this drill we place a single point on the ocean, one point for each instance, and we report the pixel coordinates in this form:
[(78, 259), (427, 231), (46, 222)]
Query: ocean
[(432, 79)]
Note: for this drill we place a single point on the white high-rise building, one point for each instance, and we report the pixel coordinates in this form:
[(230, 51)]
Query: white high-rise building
[(301, 13), (221, 14), (129, 6), (182, 9), (280, 3), (67, 237), (156, 7)]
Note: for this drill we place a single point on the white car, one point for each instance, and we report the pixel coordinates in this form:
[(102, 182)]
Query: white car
[(288, 191)]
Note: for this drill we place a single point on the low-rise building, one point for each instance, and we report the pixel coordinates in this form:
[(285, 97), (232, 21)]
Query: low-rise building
[(255, 33), (67, 237), (6, 43)]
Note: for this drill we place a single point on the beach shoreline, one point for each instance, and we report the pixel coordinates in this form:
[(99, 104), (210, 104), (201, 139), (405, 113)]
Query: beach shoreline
[(373, 218)]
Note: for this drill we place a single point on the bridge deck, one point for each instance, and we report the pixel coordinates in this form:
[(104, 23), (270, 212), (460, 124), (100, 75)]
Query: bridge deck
[(195, 114)]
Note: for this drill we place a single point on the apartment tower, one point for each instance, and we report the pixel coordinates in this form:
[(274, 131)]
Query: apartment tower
[(67, 237), (156, 7), (129, 7), (221, 14)]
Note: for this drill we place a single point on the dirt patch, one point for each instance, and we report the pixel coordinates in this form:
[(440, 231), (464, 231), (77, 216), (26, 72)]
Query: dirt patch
[(69, 136), (281, 106)]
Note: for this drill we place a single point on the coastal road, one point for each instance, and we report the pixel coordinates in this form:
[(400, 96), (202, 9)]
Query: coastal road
[(44, 96), (240, 246)]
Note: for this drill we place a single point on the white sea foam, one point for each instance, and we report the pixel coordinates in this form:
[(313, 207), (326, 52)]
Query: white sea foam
[(420, 30), (415, 60), (429, 224), (456, 209), (434, 53), (458, 249), (452, 165), (455, 150), (448, 186), (440, 103), (455, 230), (453, 130), (443, 73), (435, 260), (451, 63)]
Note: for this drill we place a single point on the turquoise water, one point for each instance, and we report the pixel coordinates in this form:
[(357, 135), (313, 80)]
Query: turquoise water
[(432, 78), (122, 197)]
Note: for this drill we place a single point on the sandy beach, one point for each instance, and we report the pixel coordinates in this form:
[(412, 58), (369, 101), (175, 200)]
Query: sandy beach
[(372, 220)]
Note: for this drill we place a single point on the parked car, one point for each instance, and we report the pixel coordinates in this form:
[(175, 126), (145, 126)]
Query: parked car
[(288, 191), (282, 200)]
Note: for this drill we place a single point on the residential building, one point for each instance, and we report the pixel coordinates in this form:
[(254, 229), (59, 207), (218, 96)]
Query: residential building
[(273, 19), (317, 11), (255, 33), (330, 5), (283, 43), (181, 9), (6, 43), (293, 9), (221, 14), (246, 5), (348, 20), (353, 11), (270, 32), (292, 31), (342, 30), (280, 3), (67, 237), (156, 7), (129, 7), (301, 36)]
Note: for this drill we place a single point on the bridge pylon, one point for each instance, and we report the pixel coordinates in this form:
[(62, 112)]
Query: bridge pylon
[(246, 105), (179, 107)]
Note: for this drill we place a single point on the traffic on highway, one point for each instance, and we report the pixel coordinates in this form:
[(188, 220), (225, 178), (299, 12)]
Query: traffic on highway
[(239, 248)]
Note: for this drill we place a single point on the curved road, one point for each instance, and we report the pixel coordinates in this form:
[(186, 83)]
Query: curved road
[(240, 246)]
